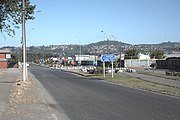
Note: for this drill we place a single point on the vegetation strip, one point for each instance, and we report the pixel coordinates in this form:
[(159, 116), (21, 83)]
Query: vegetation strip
[(140, 84), (160, 75)]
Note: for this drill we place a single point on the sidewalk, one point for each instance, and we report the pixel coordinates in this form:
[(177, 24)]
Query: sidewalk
[(154, 79), (7, 78), (22, 100)]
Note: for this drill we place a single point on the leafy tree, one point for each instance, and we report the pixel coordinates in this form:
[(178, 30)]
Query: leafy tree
[(11, 14), (158, 54), (132, 53)]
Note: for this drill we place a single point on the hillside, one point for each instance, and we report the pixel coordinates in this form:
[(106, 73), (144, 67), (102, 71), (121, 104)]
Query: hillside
[(98, 48)]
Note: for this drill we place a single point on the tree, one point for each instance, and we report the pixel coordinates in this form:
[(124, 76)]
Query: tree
[(11, 15), (132, 53), (158, 54)]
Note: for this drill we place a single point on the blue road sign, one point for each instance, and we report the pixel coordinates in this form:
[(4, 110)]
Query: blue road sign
[(107, 58)]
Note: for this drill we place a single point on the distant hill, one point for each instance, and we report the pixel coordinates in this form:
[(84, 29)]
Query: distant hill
[(97, 48), (110, 43)]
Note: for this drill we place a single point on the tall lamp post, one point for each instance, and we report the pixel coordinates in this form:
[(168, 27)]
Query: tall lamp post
[(120, 56), (80, 51), (24, 41), (107, 41), (79, 56), (120, 51)]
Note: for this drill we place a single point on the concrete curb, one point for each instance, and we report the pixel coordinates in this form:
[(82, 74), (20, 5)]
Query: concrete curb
[(49, 103)]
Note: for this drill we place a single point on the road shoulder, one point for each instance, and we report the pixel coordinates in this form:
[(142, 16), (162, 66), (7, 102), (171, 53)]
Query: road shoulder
[(26, 102)]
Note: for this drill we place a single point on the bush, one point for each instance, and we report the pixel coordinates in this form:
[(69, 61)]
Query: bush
[(153, 65)]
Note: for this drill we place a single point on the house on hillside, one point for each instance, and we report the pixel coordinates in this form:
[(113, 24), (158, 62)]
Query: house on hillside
[(4, 56)]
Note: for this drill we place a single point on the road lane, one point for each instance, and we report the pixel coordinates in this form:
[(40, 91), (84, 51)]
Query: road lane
[(83, 98)]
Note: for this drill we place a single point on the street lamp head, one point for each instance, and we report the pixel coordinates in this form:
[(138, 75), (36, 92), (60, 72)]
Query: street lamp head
[(38, 11), (102, 31)]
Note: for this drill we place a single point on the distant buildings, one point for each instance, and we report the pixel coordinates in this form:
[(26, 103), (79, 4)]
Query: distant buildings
[(143, 61), (90, 54), (86, 59)]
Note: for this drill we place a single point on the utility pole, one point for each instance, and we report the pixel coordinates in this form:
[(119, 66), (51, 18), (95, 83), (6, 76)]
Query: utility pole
[(24, 41), (107, 45), (120, 57), (120, 51), (107, 41), (79, 58), (79, 51)]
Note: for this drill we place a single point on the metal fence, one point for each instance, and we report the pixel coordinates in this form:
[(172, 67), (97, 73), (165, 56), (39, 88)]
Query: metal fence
[(138, 63)]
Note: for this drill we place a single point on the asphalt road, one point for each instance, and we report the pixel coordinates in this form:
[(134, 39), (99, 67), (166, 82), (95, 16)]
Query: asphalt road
[(91, 99)]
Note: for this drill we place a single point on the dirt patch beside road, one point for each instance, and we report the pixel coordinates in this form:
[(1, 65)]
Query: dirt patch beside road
[(26, 102)]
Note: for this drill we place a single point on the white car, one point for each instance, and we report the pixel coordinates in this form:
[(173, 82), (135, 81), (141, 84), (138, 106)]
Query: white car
[(27, 64)]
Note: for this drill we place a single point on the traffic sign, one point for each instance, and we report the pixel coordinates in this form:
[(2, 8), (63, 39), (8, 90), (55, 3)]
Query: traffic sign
[(107, 58)]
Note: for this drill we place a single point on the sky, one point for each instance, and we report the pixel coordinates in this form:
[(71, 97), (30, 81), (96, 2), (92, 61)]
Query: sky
[(81, 22)]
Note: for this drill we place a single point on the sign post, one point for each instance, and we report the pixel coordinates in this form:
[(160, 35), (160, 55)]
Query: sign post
[(107, 58), (112, 70), (104, 69)]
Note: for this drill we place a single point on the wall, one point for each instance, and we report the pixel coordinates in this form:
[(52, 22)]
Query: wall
[(169, 63), (2, 55), (3, 65), (3, 61)]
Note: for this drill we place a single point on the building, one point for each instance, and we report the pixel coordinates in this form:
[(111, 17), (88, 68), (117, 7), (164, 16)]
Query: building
[(86, 59), (144, 57), (4, 56)]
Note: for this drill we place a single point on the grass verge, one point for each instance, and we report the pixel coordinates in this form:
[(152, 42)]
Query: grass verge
[(140, 84), (159, 75)]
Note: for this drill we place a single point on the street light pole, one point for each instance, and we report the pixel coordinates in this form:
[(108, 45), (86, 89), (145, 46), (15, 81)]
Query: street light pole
[(107, 41), (79, 51), (24, 41), (120, 51), (120, 56)]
